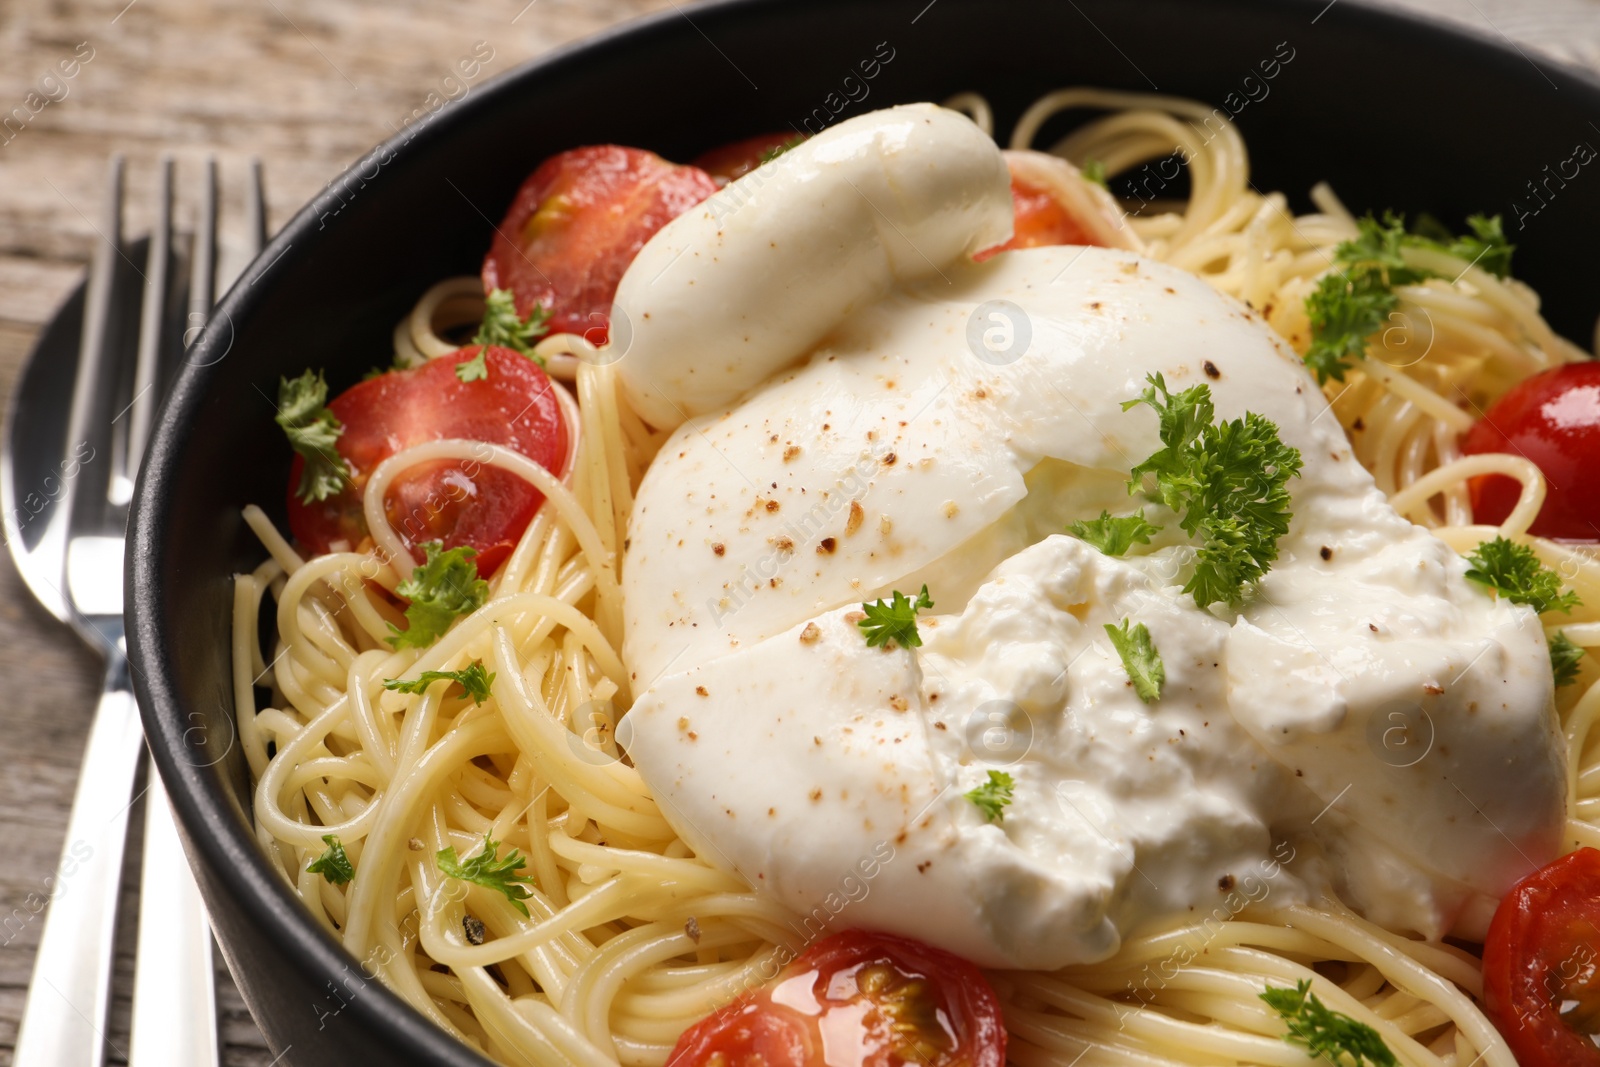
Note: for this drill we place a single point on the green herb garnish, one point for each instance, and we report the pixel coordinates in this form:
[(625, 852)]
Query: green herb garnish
[(1325, 1033), (1229, 482), (1565, 654), (992, 796), (1486, 247), (894, 620), (1355, 298), (1514, 571), (1114, 536), (333, 864), (444, 587), (1140, 659), (474, 679), (313, 432), (491, 872), (502, 327)]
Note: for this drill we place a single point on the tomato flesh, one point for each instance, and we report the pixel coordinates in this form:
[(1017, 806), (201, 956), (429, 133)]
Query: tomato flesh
[(733, 161), (576, 224), (1553, 419), (459, 503), (856, 999), (1040, 219), (1541, 964)]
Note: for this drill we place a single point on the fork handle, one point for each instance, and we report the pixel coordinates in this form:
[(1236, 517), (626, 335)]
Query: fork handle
[(174, 988), (63, 1023)]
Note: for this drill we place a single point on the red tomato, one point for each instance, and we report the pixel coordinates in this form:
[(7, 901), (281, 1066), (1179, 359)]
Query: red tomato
[(741, 157), (1553, 419), (857, 999), (1040, 220), (576, 224), (464, 503), (1541, 964)]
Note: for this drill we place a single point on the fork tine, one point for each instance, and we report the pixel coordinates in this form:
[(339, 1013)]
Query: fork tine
[(256, 207), (174, 1015), (97, 334), (152, 328), (203, 262)]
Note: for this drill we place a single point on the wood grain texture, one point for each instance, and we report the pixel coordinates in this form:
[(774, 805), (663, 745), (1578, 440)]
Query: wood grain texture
[(307, 85)]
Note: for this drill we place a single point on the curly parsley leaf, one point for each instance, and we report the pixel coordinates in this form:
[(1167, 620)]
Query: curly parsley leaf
[(333, 864), (313, 432), (1379, 245), (1345, 309), (1228, 480), (1182, 419), (1325, 1033), (992, 796), (475, 679), (1114, 536), (1565, 655), (444, 587), (476, 368), (779, 149), (490, 871), (502, 327), (1356, 297), (1514, 571), (1093, 170), (1139, 658), (1487, 248), (894, 620)]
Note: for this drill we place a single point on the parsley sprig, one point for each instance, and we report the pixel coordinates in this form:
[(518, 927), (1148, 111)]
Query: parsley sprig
[(487, 869), (475, 679), (502, 327), (1228, 480), (444, 587), (1093, 170), (1326, 1033), (333, 864), (894, 620), (1356, 297), (1486, 247), (1139, 658), (1565, 655), (1114, 536), (992, 796), (313, 431), (1514, 571)]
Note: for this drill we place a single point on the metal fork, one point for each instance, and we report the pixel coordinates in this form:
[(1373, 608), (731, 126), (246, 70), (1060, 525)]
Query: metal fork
[(75, 569)]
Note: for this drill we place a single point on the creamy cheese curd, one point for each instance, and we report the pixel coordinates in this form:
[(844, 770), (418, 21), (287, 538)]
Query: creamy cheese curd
[(1368, 704)]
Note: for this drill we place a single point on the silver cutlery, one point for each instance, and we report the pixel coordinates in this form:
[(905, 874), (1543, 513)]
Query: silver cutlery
[(66, 534)]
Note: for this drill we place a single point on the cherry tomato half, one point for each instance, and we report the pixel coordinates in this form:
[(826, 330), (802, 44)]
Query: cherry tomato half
[(1041, 219), (856, 999), (741, 157), (576, 224), (459, 503), (1541, 964), (1553, 419)]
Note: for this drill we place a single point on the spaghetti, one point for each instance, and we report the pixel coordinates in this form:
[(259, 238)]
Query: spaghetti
[(629, 938)]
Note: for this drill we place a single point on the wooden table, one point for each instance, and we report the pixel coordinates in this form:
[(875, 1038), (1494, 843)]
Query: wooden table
[(307, 85)]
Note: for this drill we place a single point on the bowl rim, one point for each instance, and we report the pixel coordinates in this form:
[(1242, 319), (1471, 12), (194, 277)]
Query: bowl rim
[(214, 836)]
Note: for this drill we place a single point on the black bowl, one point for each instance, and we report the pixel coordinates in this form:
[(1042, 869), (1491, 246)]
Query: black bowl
[(1395, 111)]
